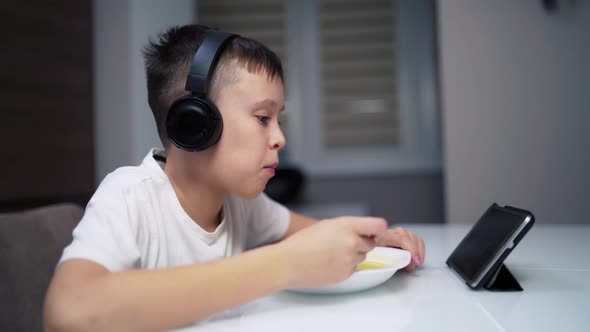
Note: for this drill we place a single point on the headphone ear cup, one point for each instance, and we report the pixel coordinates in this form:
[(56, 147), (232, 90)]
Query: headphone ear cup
[(193, 123)]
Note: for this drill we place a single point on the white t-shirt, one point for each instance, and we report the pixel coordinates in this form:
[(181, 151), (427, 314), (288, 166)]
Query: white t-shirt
[(134, 220)]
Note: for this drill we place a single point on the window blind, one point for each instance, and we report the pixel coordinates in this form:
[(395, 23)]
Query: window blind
[(356, 56), (358, 73), (262, 20)]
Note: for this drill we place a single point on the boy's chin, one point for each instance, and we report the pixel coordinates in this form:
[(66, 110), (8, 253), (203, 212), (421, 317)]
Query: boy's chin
[(249, 194)]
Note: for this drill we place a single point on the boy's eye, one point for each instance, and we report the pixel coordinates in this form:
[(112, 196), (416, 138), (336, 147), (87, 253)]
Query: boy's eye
[(263, 119)]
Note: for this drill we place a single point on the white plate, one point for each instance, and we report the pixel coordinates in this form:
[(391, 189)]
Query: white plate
[(394, 258)]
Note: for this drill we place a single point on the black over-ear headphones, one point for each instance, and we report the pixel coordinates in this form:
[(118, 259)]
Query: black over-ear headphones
[(193, 122)]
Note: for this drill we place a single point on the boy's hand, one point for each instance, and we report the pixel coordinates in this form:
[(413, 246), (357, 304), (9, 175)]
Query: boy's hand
[(404, 239), (330, 250)]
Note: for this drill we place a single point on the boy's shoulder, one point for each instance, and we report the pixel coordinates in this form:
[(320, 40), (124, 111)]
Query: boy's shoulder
[(130, 178)]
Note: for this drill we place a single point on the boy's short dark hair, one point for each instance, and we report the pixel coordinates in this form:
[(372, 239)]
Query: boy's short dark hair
[(168, 59)]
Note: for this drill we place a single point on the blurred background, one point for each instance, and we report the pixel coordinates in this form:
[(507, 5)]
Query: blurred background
[(420, 111)]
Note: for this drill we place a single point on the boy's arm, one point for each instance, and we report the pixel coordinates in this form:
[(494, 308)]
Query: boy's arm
[(85, 296), (298, 222)]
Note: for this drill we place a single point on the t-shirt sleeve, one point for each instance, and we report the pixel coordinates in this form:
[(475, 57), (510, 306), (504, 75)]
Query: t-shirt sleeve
[(105, 234), (268, 222)]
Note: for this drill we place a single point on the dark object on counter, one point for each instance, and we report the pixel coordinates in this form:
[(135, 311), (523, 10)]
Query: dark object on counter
[(286, 185)]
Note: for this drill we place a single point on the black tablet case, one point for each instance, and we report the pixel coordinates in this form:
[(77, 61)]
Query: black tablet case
[(499, 278)]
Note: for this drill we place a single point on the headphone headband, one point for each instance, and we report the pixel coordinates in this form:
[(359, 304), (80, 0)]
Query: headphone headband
[(204, 61)]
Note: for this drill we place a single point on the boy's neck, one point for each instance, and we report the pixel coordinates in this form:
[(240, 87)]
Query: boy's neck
[(201, 202)]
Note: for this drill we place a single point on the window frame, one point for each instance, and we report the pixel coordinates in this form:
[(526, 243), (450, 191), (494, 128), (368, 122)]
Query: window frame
[(419, 150)]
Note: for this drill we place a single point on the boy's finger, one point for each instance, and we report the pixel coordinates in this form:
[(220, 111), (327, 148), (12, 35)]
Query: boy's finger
[(360, 257), (418, 249), (414, 246), (369, 226), (421, 249), (411, 267), (366, 244)]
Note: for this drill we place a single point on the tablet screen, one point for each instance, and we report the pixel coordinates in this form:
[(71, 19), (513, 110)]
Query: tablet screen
[(485, 239)]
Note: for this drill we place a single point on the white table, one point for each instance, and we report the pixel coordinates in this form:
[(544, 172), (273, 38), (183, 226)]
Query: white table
[(551, 263)]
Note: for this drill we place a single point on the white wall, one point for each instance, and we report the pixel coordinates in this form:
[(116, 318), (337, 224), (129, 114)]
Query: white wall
[(124, 126), (516, 108)]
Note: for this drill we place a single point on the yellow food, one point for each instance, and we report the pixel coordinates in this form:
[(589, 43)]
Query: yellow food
[(367, 265), (372, 256), (377, 256)]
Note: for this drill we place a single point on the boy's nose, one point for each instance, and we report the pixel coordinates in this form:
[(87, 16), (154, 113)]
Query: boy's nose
[(278, 139)]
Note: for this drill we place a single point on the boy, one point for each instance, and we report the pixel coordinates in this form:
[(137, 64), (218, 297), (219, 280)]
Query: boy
[(187, 235)]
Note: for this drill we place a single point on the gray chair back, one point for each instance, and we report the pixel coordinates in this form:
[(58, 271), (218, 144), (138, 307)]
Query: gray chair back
[(31, 243)]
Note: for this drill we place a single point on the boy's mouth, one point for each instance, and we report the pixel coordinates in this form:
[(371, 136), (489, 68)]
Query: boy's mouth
[(271, 167)]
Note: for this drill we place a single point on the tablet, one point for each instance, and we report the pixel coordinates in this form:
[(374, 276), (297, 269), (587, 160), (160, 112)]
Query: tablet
[(480, 255)]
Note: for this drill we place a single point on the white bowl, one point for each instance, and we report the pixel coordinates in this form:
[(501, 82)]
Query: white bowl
[(395, 259)]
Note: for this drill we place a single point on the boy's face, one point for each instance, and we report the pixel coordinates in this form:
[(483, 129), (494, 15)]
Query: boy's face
[(244, 159)]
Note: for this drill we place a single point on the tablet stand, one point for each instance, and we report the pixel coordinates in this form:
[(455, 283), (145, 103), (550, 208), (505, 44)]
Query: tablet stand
[(502, 280)]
